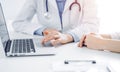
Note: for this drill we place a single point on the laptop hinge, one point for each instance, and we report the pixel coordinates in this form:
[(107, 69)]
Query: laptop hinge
[(8, 45)]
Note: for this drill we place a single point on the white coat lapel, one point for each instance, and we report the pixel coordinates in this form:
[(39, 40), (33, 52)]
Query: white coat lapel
[(53, 3)]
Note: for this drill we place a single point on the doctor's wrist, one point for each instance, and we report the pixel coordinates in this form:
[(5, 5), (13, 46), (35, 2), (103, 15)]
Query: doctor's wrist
[(39, 31), (69, 38)]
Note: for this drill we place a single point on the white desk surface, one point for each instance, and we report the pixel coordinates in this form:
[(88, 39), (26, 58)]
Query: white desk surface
[(64, 52)]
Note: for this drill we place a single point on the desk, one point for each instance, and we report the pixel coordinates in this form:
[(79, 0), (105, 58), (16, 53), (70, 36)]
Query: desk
[(64, 52)]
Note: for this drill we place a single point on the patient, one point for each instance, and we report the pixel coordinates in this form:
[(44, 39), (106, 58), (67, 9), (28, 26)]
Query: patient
[(110, 42)]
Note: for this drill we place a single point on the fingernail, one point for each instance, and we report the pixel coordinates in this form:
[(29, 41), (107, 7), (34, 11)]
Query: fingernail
[(57, 44), (46, 33)]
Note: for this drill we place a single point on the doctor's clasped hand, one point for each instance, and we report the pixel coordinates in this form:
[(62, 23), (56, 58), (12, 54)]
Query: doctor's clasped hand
[(57, 38)]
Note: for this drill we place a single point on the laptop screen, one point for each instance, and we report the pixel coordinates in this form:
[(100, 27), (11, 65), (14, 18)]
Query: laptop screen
[(3, 28)]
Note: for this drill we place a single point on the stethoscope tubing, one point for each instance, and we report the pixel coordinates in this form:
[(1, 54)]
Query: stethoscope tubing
[(47, 6), (76, 2)]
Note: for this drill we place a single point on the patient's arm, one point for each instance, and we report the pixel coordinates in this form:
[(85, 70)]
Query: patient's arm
[(103, 43), (112, 45), (107, 36), (100, 42)]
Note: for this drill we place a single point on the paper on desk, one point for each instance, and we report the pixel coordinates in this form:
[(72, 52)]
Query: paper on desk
[(61, 67)]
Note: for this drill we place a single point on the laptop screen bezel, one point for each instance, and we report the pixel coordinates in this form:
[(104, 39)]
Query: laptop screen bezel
[(4, 43)]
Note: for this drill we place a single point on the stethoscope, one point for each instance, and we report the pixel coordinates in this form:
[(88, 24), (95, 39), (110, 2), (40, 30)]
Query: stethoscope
[(47, 15)]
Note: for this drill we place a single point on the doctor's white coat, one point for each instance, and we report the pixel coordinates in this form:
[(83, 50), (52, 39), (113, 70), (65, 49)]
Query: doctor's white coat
[(74, 21)]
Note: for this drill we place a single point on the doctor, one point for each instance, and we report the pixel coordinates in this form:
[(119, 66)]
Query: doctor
[(60, 21)]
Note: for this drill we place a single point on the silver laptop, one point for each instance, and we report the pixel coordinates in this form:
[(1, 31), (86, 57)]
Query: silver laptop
[(21, 47)]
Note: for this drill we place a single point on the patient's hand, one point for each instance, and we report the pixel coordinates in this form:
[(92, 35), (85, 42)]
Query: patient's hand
[(92, 41)]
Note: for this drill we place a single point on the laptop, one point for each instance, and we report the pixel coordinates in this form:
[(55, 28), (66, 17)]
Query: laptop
[(21, 47)]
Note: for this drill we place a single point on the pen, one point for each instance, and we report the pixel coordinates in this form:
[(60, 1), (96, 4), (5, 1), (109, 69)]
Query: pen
[(69, 61), (108, 69)]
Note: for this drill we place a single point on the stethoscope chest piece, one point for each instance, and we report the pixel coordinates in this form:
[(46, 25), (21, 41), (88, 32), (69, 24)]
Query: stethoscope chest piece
[(47, 15)]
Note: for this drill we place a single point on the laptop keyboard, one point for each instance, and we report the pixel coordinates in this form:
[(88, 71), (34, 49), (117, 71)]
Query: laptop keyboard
[(23, 46)]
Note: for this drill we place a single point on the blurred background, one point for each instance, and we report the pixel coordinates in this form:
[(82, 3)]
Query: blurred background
[(108, 13)]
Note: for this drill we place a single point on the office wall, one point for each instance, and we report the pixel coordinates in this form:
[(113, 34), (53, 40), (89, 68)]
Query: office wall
[(109, 14), (108, 11), (12, 8)]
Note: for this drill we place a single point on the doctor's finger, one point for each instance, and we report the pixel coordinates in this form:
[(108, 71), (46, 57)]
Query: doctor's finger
[(50, 37), (55, 42), (80, 44)]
